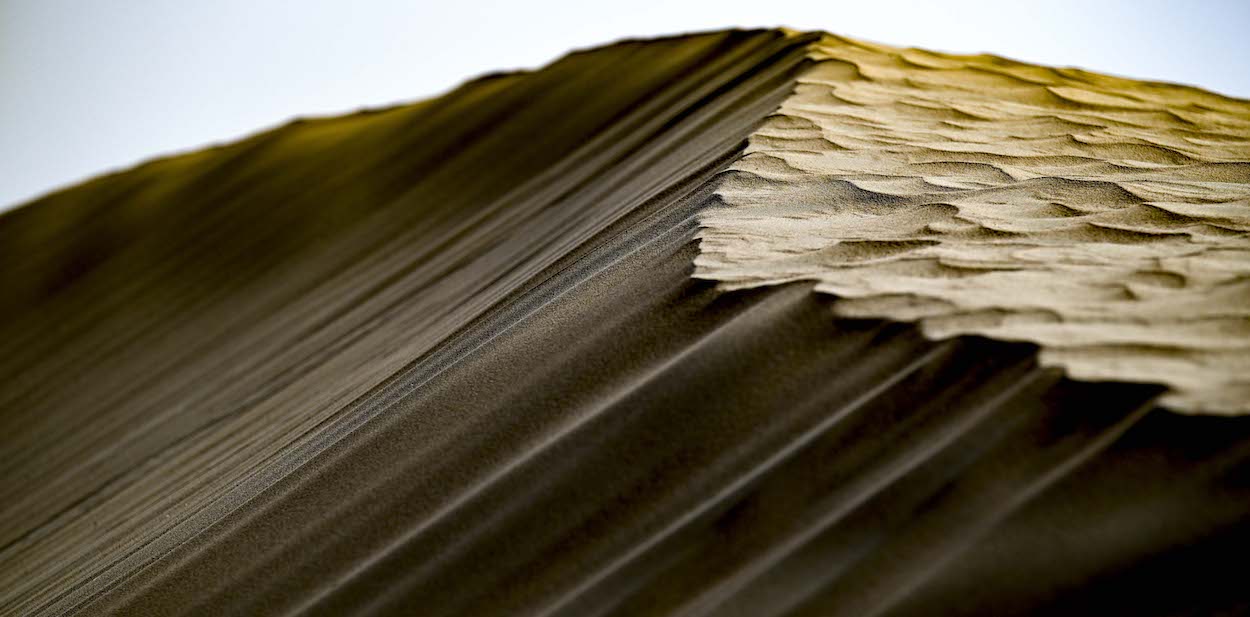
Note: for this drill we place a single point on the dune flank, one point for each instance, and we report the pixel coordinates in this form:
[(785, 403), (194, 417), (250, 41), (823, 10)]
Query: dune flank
[(463, 356), (1106, 220)]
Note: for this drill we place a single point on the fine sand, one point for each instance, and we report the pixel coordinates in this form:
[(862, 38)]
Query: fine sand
[(1105, 219), (455, 358)]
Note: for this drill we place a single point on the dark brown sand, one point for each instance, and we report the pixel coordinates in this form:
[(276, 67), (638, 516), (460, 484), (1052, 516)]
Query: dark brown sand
[(449, 359)]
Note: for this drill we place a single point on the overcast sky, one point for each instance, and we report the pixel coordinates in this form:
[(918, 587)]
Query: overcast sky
[(88, 86)]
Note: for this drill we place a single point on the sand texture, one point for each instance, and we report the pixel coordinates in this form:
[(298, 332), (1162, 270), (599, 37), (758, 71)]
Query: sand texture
[(452, 358), (1106, 220)]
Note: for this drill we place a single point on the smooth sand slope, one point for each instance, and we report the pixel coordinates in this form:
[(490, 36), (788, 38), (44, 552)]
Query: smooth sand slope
[(455, 358)]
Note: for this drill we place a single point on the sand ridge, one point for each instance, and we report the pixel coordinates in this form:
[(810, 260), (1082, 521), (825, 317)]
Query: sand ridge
[(1105, 219), (448, 359)]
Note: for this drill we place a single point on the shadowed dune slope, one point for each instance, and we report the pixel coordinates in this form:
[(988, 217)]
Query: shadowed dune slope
[(451, 358)]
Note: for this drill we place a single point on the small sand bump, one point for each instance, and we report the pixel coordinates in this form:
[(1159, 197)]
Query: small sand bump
[(1157, 278), (871, 250)]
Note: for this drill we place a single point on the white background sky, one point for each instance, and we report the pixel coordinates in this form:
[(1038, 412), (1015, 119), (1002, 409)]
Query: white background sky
[(88, 86)]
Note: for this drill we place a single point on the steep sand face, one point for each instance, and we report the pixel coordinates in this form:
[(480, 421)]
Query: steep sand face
[(1105, 219), (177, 337)]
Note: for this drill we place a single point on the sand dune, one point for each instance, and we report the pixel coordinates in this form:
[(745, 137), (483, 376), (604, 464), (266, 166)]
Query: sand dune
[(457, 358)]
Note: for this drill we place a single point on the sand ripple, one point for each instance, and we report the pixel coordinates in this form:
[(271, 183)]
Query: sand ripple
[(1105, 219)]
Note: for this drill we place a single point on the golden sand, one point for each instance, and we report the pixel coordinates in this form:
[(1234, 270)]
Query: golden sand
[(1105, 219)]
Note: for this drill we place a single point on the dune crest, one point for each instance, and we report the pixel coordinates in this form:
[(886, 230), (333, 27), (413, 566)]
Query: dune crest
[(1105, 219)]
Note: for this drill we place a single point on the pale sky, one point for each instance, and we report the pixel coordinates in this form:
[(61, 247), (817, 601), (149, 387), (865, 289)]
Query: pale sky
[(90, 86)]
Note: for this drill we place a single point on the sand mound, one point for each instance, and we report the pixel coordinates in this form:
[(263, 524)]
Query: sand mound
[(449, 359)]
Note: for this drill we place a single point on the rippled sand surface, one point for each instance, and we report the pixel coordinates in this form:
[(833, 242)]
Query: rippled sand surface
[(1105, 219)]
